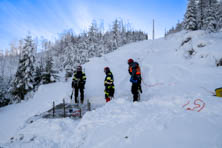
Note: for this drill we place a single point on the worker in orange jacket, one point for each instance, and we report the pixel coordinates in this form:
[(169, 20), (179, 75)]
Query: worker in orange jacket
[(135, 72)]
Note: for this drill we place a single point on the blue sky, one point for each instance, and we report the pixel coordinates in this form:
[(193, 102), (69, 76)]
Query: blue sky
[(49, 18)]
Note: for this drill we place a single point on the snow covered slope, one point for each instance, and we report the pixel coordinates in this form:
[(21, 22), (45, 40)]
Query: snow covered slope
[(177, 109)]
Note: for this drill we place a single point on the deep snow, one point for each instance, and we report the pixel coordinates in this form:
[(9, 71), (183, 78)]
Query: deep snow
[(171, 79)]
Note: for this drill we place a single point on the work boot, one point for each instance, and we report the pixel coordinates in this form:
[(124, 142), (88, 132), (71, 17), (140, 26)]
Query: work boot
[(135, 98), (107, 100)]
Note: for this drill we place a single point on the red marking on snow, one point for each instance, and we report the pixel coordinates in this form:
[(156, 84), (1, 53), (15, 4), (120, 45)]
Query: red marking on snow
[(198, 105), (201, 106), (186, 104), (188, 108)]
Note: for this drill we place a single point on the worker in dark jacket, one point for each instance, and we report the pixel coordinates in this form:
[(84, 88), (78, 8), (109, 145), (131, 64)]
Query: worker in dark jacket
[(109, 84), (134, 71), (78, 83)]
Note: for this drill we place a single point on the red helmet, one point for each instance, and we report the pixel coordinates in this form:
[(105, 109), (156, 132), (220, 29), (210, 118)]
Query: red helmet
[(106, 69), (130, 61), (79, 68)]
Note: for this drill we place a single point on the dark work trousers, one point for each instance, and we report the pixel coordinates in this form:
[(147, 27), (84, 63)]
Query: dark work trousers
[(135, 90), (109, 92), (81, 89)]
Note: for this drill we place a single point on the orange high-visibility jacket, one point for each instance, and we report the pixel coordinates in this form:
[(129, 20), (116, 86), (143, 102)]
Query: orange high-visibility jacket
[(134, 69)]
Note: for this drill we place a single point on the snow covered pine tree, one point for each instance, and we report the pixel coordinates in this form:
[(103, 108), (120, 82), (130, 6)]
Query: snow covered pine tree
[(23, 82), (190, 18)]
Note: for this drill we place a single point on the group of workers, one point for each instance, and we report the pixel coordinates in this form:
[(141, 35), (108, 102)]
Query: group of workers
[(79, 80)]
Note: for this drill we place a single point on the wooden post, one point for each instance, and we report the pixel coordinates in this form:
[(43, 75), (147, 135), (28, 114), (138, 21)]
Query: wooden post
[(53, 109), (88, 105), (71, 95), (64, 108), (80, 113)]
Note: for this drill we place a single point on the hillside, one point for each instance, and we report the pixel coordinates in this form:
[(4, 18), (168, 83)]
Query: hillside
[(173, 81)]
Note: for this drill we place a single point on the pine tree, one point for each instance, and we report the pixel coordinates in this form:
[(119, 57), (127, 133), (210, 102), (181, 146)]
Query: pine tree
[(116, 34), (179, 26), (82, 48), (190, 19), (91, 40), (108, 43), (94, 47), (38, 73), (201, 13), (23, 82), (49, 74), (210, 20), (219, 16), (70, 55), (4, 94)]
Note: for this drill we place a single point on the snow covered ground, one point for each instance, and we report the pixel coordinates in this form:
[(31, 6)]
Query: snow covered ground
[(167, 115)]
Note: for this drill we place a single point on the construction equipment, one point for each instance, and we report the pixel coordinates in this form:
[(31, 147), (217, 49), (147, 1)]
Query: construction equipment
[(218, 92)]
